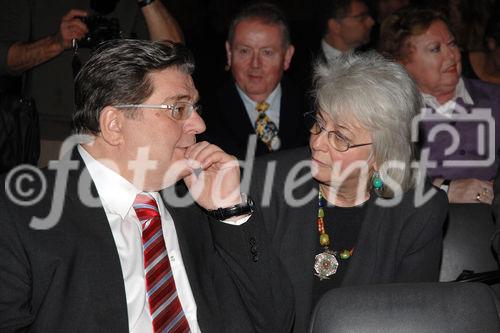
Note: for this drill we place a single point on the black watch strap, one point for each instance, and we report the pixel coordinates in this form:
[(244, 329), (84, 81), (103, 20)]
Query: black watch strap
[(246, 207), (144, 3), (445, 185)]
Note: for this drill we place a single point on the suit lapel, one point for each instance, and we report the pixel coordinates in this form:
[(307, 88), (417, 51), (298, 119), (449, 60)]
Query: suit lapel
[(105, 274), (236, 118), (235, 113)]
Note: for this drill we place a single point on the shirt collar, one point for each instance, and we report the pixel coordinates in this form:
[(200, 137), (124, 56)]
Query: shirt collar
[(271, 99), (448, 107), (329, 51), (108, 183)]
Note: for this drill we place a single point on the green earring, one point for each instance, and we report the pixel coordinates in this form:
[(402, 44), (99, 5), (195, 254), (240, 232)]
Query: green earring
[(377, 182)]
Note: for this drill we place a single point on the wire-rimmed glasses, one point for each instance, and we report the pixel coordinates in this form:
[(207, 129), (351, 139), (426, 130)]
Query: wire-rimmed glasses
[(315, 125), (178, 110)]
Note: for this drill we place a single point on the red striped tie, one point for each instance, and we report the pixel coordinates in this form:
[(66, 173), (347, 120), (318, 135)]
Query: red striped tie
[(166, 310)]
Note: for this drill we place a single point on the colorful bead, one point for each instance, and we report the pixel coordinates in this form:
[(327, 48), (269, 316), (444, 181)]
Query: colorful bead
[(324, 240), (345, 254), (321, 224)]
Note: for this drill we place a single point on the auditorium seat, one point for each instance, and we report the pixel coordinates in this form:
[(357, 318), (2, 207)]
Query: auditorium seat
[(408, 307), (467, 239)]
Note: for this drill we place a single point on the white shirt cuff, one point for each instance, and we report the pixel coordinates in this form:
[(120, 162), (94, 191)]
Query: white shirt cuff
[(238, 221)]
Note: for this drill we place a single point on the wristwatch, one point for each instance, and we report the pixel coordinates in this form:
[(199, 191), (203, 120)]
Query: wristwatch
[(246, 207), (144, 3), (445, 185)]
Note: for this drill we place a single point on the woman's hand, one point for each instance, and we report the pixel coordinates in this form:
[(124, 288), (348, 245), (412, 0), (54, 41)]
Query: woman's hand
[(470, 190)]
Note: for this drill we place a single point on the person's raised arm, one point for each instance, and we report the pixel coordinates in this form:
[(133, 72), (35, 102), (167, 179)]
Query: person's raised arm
[(161, 24), (23, 56)]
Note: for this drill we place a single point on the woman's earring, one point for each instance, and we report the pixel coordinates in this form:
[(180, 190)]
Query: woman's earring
[(227, 67), (377, 183)]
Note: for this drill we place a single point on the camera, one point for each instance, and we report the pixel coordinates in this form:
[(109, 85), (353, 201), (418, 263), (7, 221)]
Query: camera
[(100, 30)]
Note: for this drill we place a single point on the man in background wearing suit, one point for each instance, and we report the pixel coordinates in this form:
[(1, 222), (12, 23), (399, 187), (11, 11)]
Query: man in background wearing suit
[(44, 41), (348, 24), (127, 258), (258, 100)]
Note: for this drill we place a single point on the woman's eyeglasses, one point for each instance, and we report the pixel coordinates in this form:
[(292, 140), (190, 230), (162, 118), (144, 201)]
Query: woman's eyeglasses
[(338, 142)]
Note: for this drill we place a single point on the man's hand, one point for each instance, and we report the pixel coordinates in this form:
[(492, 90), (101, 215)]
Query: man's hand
[(470, 190), (71, 27), (215, 178)]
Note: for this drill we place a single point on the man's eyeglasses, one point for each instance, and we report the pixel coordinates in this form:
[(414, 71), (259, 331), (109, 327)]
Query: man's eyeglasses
[(178, 110), (360, 17), (335, 138)]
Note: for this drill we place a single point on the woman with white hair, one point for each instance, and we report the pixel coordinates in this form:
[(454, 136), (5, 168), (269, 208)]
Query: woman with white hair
[(351, 209)]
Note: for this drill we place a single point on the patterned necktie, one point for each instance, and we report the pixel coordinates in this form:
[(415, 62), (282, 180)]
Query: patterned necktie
[(265, 128), (164, 305)]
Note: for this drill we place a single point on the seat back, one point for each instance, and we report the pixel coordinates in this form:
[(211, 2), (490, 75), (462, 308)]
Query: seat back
[(467, 240), (408, 307)]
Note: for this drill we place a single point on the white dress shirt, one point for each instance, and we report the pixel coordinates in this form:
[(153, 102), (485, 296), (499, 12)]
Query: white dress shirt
[(329, 51), (127, 232), (447, 108), (274, 101)]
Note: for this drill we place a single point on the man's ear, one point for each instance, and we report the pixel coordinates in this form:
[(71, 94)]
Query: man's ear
[(111, 123), (288, 56), (333, 26), (491, 44), (228, 53)]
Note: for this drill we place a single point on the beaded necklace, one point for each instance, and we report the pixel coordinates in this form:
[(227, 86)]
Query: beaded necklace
[(326, 263)]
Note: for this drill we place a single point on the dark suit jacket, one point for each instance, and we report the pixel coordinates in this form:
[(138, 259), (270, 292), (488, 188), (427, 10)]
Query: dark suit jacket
[(398, 244), (495, 208), (68, 278), (229, 127)]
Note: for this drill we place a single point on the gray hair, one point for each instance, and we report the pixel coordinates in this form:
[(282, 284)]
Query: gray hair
[(382, 97), (118, 72), (265, 12)]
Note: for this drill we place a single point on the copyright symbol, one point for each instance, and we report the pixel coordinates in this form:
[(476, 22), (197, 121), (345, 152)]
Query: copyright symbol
[(25, 185)]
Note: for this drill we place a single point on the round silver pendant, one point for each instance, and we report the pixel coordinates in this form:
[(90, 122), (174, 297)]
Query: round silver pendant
[(325, 265), (275, 143)]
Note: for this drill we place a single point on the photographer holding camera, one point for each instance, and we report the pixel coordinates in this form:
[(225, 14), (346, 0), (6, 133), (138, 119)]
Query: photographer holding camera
[(37, 41)]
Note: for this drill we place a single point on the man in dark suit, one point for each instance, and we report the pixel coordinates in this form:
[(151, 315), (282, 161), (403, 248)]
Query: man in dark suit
[(36, 40), (105, 252), (348, 24), (258, 100)]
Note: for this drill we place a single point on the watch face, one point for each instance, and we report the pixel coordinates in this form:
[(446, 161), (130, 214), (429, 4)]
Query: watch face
[(250, 202), (248, 206)]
